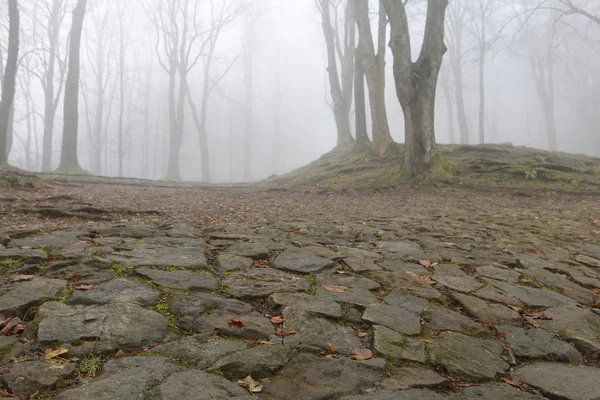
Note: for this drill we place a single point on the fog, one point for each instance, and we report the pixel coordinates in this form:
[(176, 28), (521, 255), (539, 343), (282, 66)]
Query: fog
[(269, 105)]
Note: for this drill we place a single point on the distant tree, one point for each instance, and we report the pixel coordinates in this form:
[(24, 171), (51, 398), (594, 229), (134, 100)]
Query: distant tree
[(374, 67), (416, 82), (9, 79), (340, 42), (69, 162)]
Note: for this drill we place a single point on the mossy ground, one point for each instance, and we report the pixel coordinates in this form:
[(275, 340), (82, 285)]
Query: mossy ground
[(502, 166)]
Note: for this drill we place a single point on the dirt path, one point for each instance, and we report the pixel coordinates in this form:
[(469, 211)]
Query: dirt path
[(399, 294)]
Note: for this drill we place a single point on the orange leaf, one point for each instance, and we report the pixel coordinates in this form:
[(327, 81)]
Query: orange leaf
[(250, 384), (285, 332), (277, 319), (84, 287), (18, 328), (426, 341), (328, 352), (428, 279), (360, 333), (335, 289), (486, 326), (362, 354), (512, 383), (6, 394), (236, 323)]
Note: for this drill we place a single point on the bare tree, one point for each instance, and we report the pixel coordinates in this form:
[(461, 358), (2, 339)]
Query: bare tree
[(374, 67), (69, 162), (360, 108), (446, 84), (455, 25), (9, 79), (340, 48), (416, 82)]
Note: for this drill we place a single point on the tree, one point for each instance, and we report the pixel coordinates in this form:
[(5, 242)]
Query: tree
[(570, 7), (374, 67), (9, 79), (360, 108), (340, 47), (416, 82), (69, 162), (455, 25)]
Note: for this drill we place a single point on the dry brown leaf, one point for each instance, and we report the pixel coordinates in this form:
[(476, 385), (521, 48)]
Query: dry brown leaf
[(531, 321), (597, 291), (250, 384), (428, 279), (335, 289), (236, 323), (330, 351), (277, 319), (515, 308), (450, 244), (362, 354), (20, 278), (285, 332), (360, 333), (6, 394), (18, 328), (512, 383), (425, 263), (426, 341), (6, 331), (486, 326), (84, 287), (53, 353), (257, 342)]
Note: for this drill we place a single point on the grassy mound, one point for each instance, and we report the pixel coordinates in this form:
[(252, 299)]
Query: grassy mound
[(18, 179), (503, 166)]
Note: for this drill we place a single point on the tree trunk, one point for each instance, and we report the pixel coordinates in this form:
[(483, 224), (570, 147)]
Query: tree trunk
[(374, 66), (544, 82), (482, 95), (200, 123), (8, 83), (416, 82), (463, 126), (360, 112), (99, 113), (121, 150), (446, 87), (69, 162)]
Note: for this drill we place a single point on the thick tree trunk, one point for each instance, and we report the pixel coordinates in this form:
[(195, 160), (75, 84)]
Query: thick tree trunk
[(374, 65), (416, 82), (200, 123), (9, 80), (69, 162), (360, 109)]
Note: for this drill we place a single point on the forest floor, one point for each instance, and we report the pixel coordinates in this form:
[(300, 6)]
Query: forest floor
[(320, 284)]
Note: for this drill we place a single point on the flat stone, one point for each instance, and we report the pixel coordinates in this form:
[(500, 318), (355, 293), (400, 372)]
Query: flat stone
[(398, 265), (316, 334), (124, 326), (586, 260), (576, 325), (394, 345), (538, 344), (454, 278), (29, 377), (231, 262), (360, 254), (489, 313), (260, 362), (561, 381), (10, 348), (350, 281), (124, 378), (189, 385), (592, 249), (467, 358), (319, 251), (413, 378), (255, 325), (117, 291), (501, 274), (407, 283), (494, 294), (393, 317), (255, 251), (442, 319), (25, 255), (533, 297), (494, 391), (585, 276), (405, 250), (308, 377), (561, 284), (411, 394), (357, 296), (361, 264), (17, 297), (263, 282), (304, 263), (307, 303), (199, 304), (162, 256), (180, 279), (199, 351), (413, 304)]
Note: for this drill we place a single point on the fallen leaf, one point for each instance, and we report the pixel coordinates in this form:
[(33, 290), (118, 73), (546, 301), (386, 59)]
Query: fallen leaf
[(53, 353), (512, 383), (428, 279), (19, 278), (236, 323), (93, 234), (426, 341), (515, 308), (486, 326), (425, 263), (436, 332), (361, 334), (257, 342), (277, 319), (6, 394), (250, 384), (285, 332), (362, 354), (450, 244), (328, 352), (7, 329), (335, 289), (84, 287), (531, 322), (18, 328)]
